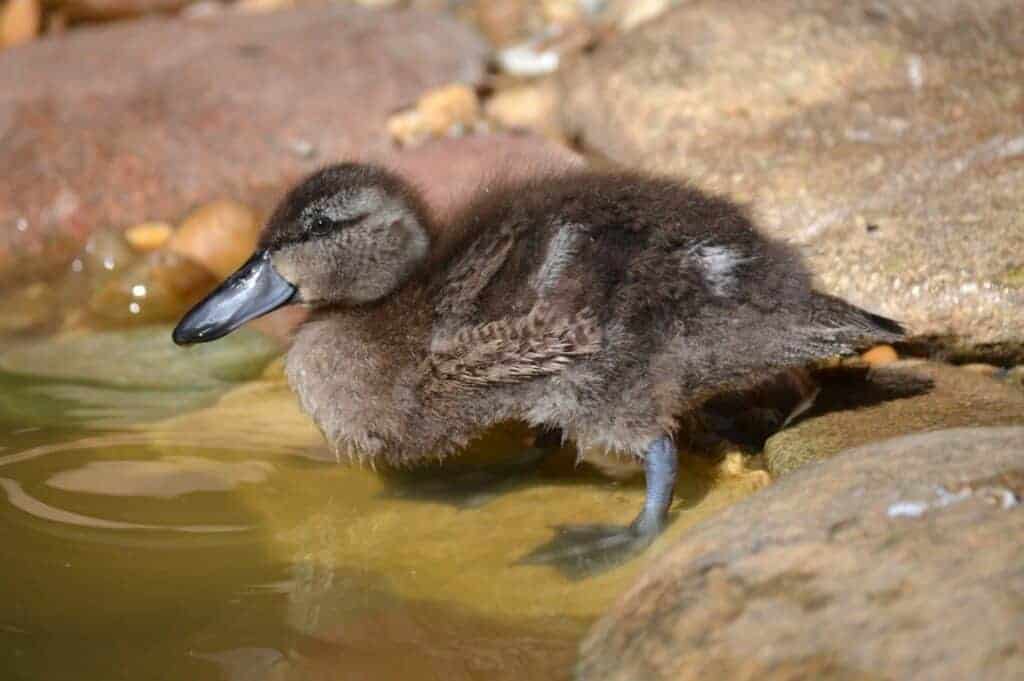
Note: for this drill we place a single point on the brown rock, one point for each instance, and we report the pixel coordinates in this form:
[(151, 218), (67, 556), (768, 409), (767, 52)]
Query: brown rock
[(893, 561), (220, 235), (130, 122), (19, 22), (908, 116), (897, 399)]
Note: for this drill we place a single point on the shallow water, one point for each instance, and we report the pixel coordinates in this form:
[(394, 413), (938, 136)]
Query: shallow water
[(161, 524)]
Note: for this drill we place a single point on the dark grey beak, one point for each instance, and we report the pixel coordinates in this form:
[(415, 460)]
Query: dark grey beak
[(254, 290)]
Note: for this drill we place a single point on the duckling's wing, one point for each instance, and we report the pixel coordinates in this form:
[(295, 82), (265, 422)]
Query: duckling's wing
[(470, 274), (506, 351)]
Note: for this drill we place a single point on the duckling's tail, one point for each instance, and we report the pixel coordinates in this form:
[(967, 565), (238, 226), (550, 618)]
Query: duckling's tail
[(890, 326), (853, 324)]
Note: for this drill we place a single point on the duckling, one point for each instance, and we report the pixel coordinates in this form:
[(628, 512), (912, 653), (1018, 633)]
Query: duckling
[(609, 305)]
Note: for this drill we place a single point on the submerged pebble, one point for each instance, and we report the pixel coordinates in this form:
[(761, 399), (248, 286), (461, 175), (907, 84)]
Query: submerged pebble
[(159, 288), (105, 256), (105, 252)]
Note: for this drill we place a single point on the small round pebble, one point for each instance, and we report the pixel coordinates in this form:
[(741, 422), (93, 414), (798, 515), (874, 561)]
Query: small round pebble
[(148, 236), (448, 107), (20, 21), (880, 355)]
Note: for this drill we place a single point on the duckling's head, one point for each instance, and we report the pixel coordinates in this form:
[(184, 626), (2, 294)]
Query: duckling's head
[(348, 235)]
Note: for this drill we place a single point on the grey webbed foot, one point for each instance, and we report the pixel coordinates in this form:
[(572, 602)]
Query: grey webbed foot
[(579, 551), (582, 550)]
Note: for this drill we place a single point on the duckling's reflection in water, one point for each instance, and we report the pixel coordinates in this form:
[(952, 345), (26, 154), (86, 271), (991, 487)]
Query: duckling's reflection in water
[(605, 304)]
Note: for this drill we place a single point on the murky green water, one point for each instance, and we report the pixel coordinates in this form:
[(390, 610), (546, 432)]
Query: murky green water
[(170, 514)]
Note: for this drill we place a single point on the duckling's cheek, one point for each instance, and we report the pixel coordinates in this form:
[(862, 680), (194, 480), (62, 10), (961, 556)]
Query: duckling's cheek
[(285, 264)]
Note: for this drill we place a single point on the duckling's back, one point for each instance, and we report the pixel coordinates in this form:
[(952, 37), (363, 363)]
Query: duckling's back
[(687, 298)]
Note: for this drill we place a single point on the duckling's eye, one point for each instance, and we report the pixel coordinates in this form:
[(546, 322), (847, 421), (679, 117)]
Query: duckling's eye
[(321, 225)]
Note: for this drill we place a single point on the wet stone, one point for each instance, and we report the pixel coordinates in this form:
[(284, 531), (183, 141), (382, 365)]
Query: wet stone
[(142, 358), (113, 379)]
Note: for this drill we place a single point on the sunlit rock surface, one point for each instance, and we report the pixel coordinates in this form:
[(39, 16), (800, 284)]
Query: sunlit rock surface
[(886, 140), (898, 559)]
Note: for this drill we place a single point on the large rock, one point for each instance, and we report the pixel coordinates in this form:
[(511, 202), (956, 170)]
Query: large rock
[(886, 139), (141, 121), (897, 399), (899, 560)]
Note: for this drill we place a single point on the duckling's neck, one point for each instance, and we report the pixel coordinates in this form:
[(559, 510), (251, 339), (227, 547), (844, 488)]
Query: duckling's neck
[(356, 372)]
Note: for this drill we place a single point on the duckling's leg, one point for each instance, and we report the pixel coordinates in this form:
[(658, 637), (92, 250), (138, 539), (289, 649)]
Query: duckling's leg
[(582, 550)]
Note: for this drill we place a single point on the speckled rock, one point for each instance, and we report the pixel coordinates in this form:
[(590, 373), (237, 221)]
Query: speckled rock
[(897, 560), (898, 399), (884, 139), (143, 121)]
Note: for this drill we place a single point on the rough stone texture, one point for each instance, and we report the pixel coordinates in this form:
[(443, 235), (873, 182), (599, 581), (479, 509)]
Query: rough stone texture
[(829, 575), (126, 123), (886, 139), (897, 399)]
